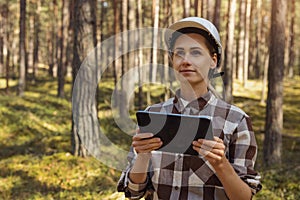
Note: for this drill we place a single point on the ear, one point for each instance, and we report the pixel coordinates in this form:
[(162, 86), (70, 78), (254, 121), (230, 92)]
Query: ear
[(214, 61)]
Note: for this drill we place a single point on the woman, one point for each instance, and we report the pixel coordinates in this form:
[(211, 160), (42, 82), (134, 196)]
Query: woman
[(224, 168)]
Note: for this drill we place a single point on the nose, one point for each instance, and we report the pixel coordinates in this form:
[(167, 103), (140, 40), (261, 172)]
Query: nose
[(186, 60)]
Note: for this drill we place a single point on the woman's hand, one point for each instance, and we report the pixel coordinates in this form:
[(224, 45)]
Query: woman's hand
[(145, 142), (213, 151)]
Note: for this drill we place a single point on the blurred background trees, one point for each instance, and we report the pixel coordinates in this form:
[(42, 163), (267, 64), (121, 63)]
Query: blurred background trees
[(38, 36)]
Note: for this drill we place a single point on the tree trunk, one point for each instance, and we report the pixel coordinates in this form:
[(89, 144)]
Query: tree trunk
[(238, 72), (131, 56), (260, 39), (210, 10), (274, 112), (140, 52), (36, 42), (229, 51), (116, 62), (8, 52), (265, 79), (254, 19), (85, 138), (186, 8), (1, 51), (247, 34), (124, 60), (217, 14), (155, 21), (31, 43), (102, 15), (5, 44), (94, 8), (292, 40), (204, 8), (55, 27), (63, 47), (196, 8), (22, 54)]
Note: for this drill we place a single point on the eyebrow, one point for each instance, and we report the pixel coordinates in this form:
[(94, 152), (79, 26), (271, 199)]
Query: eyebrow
[(196, 48), (181, 48)]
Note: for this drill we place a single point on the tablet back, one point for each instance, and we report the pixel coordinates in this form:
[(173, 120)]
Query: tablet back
[(176, 131)]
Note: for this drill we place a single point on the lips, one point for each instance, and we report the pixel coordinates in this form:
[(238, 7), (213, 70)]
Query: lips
[(186, 70)]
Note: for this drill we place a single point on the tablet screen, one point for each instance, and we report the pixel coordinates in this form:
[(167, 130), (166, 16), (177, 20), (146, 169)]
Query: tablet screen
[(176, 131)]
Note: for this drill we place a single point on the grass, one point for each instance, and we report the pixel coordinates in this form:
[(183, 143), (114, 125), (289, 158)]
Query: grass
[(35, 158)]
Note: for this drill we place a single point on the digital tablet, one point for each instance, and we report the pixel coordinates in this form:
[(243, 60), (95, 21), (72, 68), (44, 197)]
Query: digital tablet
[(176, 131)]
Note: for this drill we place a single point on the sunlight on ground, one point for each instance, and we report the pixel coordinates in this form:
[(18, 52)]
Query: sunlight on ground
[(11, 83), (35, 144)]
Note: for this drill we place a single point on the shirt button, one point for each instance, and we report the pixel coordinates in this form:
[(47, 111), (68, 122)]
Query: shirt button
[(176, 187)]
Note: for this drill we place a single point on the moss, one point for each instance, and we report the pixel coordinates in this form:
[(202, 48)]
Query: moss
[(35, 143)]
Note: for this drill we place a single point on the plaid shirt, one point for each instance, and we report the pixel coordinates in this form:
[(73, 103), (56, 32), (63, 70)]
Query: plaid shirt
[(180, 176)]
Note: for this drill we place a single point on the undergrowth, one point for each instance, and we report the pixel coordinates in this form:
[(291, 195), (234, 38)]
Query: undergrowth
[(35, 132)]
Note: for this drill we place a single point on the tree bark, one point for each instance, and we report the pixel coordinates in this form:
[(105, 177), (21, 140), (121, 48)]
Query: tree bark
[(8, 53), (291, 48), (5, 44), (155, 21), (247, 34), (229, 51), (238, 72), (186, 8), (85, 137), (116, 62), (63, 46), (196, 7), (22, 54), (204, 8), (140, 52), (36, 41), (1, 53), (217, 14), (274, 112)]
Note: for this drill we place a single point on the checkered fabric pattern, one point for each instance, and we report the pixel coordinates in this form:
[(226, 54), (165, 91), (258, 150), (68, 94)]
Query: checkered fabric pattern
[(180, 176)]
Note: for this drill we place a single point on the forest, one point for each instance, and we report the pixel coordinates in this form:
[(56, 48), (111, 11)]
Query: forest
[(74, 72)]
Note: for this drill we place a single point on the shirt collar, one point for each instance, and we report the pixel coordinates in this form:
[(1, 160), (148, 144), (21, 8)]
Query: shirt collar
[(197, 104)]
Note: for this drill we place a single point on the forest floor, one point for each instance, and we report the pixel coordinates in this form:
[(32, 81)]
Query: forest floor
[(36, 163)]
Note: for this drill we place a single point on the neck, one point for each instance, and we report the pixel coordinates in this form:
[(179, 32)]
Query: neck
[(189, 92)]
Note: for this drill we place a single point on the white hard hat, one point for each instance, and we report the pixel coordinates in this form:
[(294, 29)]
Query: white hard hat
[(196, 23)]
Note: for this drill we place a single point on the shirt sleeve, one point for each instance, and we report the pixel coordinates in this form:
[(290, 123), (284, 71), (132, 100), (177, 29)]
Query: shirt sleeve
[(130, 189), (243, 153)]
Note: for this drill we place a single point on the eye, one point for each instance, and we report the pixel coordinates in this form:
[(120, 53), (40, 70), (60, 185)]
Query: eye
[(195, 52), (179, 53)]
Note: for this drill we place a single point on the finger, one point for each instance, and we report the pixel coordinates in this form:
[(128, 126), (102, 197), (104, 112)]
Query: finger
[(212, 144), (144, 141), (217, 146), (219, 151), (151, 146), (208, 146), (148, 147), (196, 144), (217, 139), (141, 136), (208, 154)]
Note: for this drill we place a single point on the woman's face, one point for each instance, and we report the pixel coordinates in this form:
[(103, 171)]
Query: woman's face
[(192, 59)]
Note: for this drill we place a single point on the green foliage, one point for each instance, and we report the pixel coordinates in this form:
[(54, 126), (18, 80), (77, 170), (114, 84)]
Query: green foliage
[(35, 159), (282, 181)]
